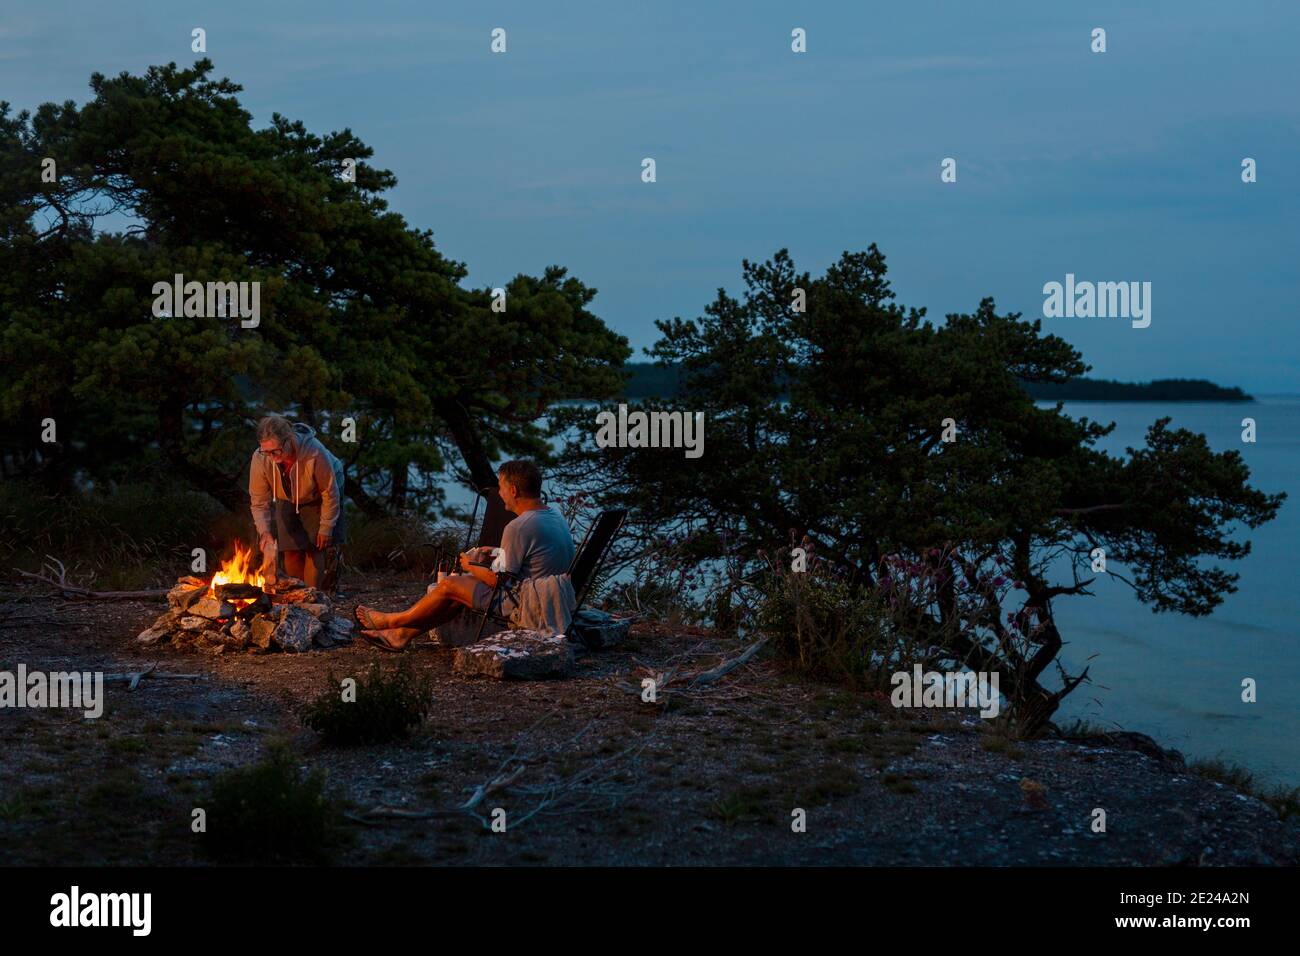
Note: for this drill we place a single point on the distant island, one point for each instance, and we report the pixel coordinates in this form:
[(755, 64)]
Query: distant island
[(1157, 390), (649, 380)]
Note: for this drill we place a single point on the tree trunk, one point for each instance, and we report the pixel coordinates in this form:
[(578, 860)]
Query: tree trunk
[(398, 486), (467, 440), (370, 507), (230, 491), (466, 437)]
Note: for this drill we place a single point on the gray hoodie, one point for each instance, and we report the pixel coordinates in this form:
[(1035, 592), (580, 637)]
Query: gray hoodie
[(316, 477)]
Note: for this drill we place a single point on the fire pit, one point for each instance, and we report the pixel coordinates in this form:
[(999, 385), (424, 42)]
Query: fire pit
[(238, 611)]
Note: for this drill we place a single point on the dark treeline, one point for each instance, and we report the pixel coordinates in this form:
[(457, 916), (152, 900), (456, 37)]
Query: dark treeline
[(649, 380)]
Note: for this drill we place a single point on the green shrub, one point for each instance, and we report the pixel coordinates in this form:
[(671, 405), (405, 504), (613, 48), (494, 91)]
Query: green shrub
[(387, 707), (400, 543), (121, 537), (270, 813), (830, 629)]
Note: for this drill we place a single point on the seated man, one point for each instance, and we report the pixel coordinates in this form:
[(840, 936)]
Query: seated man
[(535, 545)]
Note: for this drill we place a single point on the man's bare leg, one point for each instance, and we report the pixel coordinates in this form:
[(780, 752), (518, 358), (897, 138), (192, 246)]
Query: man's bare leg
[(436, 607)]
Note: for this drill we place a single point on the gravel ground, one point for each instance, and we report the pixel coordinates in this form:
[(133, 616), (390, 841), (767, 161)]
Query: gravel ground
[(715, 779)]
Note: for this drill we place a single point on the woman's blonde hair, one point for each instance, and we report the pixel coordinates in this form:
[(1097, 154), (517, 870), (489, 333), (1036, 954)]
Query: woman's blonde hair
[(277, 427)]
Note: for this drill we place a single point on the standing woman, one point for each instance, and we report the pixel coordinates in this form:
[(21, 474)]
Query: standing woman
[(295, 490)]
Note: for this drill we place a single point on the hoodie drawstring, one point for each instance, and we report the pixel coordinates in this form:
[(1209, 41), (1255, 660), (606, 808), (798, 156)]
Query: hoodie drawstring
[(296, 484)]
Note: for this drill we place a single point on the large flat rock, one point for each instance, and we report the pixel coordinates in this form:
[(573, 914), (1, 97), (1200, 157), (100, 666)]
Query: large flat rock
[(516, 655), (163, 627), (208, 607), (336, 630)]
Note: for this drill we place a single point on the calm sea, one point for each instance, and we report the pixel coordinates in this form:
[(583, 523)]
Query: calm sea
[(1179, 678)]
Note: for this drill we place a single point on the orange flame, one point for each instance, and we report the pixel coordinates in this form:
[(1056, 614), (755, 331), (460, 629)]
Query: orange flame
[(240, 569)]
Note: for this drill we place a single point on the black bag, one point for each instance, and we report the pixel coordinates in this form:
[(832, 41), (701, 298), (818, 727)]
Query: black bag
[(597, 630)]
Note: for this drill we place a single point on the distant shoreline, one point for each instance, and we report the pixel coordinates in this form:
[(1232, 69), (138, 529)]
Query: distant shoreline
[(647, 380)]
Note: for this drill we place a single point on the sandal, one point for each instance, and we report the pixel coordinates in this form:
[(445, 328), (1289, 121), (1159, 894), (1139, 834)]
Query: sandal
[(363, 618), (377, 641)]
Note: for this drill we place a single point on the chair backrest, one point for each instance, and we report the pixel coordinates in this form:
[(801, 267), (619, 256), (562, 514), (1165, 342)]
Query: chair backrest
[(591, 555)]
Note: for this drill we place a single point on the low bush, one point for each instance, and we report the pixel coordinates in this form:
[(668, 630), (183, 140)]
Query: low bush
[(400, 543), (833, 629), (1284, 800), (381, 707), (831, 626), (118, 538), (270, 813)]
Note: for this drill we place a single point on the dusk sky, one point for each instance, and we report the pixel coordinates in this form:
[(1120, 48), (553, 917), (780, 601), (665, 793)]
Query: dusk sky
[(1118, 166)]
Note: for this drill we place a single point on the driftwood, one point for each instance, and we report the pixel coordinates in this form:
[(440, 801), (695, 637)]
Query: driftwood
[(726, 667), (57, 578), (503, 779), (675, 682), (134, 678)]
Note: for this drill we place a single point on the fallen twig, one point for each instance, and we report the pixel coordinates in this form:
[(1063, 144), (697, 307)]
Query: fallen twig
[(134, 678), (567, 794), (57, 578), (671, 683)]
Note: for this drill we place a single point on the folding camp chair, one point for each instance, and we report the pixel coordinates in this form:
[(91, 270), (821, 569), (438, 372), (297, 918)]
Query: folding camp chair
[(586, 564), (592, 553)]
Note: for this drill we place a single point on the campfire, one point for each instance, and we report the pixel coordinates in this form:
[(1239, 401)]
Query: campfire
[(239, 610), (237, 585)]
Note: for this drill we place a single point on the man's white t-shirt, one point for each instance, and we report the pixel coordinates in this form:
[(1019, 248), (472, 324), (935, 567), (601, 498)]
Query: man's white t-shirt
[(536, 544)]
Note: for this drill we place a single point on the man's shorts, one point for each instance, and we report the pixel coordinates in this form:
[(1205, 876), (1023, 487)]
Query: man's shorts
[(505, 604)]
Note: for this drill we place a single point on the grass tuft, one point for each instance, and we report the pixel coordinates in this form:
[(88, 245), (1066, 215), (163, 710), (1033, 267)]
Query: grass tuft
[(1284, 800)]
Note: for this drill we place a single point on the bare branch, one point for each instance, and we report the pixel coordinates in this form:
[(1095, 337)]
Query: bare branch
[(57, 578)]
